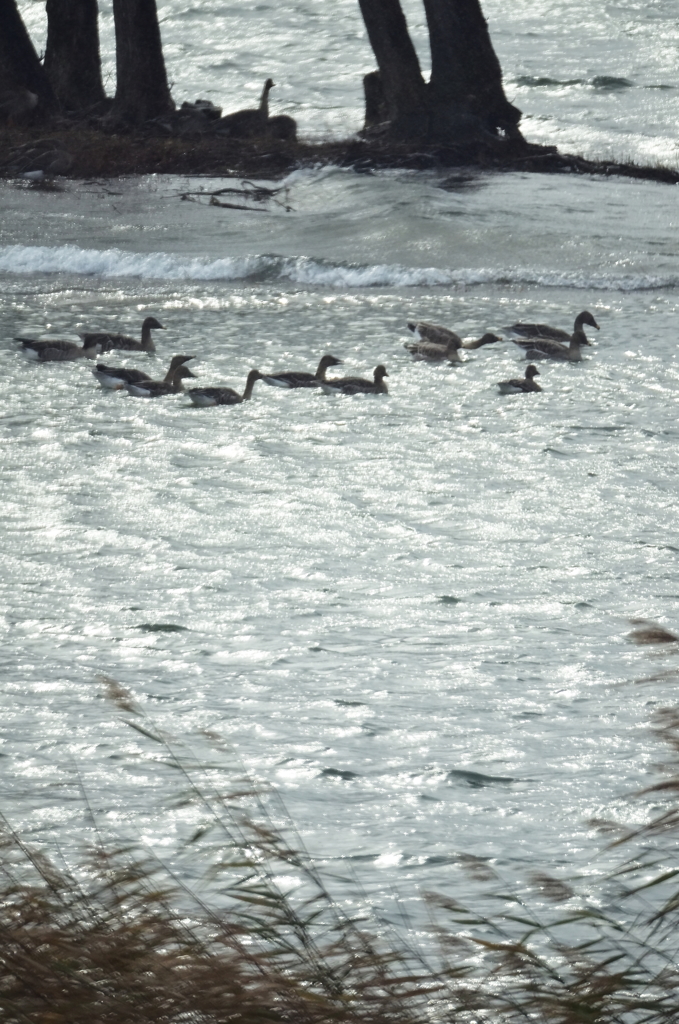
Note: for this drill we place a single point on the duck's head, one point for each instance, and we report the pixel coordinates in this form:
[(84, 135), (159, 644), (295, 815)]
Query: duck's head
[(489, 339), (532, 371), (329, 360), (380, 372), (180, 361), (269, 84), (585, 318), (253, 376), (151, 324)]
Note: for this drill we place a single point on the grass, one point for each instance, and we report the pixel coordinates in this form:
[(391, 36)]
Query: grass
[(121, 939)]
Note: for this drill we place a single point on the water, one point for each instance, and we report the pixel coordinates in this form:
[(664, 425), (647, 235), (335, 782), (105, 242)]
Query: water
[(409, 613)]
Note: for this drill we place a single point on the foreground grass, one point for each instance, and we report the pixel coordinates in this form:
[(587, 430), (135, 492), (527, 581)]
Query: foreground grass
[(119, 939)]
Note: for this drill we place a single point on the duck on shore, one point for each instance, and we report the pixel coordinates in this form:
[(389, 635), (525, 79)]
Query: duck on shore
[(57, 351), (224, 395), (300, 379), (358, 385), (160, 388), (107, 341), (521, 385), (248, 123), (116, 378)]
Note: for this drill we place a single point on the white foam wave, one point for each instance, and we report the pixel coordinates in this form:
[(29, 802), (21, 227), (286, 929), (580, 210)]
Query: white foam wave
[(304, 270)]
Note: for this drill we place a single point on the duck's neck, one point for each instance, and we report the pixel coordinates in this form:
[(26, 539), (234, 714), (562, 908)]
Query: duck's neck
[(146, 339), (264, 101), (322, 369), (577, 340), (250, 383)]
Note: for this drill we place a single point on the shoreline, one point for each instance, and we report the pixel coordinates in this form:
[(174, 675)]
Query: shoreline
[(86, 152)]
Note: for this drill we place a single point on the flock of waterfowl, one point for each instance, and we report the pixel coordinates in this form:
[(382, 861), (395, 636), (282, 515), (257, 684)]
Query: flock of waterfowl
[(434, 344)]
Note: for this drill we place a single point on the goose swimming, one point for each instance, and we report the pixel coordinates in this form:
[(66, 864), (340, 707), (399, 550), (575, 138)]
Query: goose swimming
[(358, 385), (522, 384), (116, 378), (544, 349), (159, 388), (299, 379), (58, 351), (224, 395), (435, 352), (540, 341), (487, 339), (108, 341)]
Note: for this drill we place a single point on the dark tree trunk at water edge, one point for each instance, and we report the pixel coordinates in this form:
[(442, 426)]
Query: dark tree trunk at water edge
[(466, 77), (403, 87), (464, 102), (72, 60), (142, 91), (19, 64)]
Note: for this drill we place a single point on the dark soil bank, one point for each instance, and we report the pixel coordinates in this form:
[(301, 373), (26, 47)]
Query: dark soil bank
[(89, 152)]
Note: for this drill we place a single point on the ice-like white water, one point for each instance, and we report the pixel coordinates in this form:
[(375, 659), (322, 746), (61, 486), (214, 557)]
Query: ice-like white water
[(360, 600)]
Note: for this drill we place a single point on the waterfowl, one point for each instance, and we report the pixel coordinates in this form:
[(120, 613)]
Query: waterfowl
[(58, 351), (358, 385), (159, 388), (540, 341), (537, 349), (487, 339), (299, 379), (282, 127), (247, 123), (435, 333), (118, 377), (110, 341), (16, 104), (224, 395), (521, 384)]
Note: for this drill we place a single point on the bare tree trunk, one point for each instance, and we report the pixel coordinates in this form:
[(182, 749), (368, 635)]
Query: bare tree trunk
[(72, 61), (142, 91), (466, 77), (20, 68), (401, 79)]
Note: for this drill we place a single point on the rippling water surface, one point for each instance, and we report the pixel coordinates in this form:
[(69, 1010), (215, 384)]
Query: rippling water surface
[(409, 613)]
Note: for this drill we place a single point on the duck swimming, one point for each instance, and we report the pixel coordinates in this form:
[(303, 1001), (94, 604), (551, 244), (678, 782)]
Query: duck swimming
[(539, 341), (299, 379), (521, 385), (57, 351), (434, 351), (110, 341), (160, 388), (487, 339), (224, 395), (118, 377), (358, 385)]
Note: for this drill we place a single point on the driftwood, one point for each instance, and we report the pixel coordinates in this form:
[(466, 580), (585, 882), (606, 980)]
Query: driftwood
[(248, 190)]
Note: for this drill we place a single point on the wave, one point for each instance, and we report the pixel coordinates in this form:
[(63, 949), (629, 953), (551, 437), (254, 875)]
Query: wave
[(303, 270)]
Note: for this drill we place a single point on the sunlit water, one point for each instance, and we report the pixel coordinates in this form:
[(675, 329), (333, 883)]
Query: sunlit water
[(359, 600)]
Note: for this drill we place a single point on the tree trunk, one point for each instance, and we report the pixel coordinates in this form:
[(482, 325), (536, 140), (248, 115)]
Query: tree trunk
[(466, 77), (142, 91), (401, 79), (72, 60), (20, 68)]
